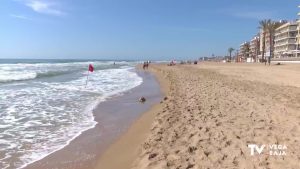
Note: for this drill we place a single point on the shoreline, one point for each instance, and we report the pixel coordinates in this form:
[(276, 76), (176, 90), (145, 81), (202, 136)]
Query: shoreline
[(83, 151), (123, 152)]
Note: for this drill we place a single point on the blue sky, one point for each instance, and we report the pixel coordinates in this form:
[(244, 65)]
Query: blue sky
[(132, 29)]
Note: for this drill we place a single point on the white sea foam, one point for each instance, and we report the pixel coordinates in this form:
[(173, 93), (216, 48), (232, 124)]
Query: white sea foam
[(42, 116), (25, 71), (6, 76)]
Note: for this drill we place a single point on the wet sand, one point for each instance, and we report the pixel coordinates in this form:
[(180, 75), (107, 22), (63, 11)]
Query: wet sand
[(114, 117)]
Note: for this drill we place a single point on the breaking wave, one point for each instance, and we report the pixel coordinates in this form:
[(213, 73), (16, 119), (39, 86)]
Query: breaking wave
[(52, 105)]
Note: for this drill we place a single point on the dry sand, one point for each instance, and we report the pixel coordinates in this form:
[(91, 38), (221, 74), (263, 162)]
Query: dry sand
[(212, 113)]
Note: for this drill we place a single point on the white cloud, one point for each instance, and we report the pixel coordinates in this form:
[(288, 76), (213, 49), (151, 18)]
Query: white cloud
[(20, 17), (44, 6)]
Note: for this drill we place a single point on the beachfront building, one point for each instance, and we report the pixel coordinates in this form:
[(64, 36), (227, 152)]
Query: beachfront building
[(298, 36), (254, 48), (286, 41), (267, 44), (239, 54), (244, 53)]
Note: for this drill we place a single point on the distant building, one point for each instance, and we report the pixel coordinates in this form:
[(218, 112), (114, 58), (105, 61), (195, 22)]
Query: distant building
[(298, 36), (255, 48), (203, 59), (284, 44), (268, 44), (216, 58), (286, 40), (244, 52)]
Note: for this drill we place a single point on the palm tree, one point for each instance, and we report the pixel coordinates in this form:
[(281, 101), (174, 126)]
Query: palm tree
[(230, 50), (263, 25), (271, 27)]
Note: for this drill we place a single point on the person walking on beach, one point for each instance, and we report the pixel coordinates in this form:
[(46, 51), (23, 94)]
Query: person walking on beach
[(145, 65), (265, 60)]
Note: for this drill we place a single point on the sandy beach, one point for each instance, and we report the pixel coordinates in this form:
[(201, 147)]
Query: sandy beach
[(211, 113), (149, 84)]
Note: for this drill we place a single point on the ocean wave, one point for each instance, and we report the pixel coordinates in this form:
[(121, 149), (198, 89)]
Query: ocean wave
[(16, 76), (52, 73), (21, 76), (42, 117), (26, 71)]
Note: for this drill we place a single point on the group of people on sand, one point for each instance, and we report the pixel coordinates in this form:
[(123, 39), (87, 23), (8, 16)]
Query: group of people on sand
[(172, 63), (146, 65)]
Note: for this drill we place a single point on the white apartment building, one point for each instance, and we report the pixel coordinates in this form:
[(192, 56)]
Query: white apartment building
[(255, 48), (267, 44), (243, 52), (298, 36), (286, 40)]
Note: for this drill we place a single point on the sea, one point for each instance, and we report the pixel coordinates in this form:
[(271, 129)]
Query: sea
[(45, 104)]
